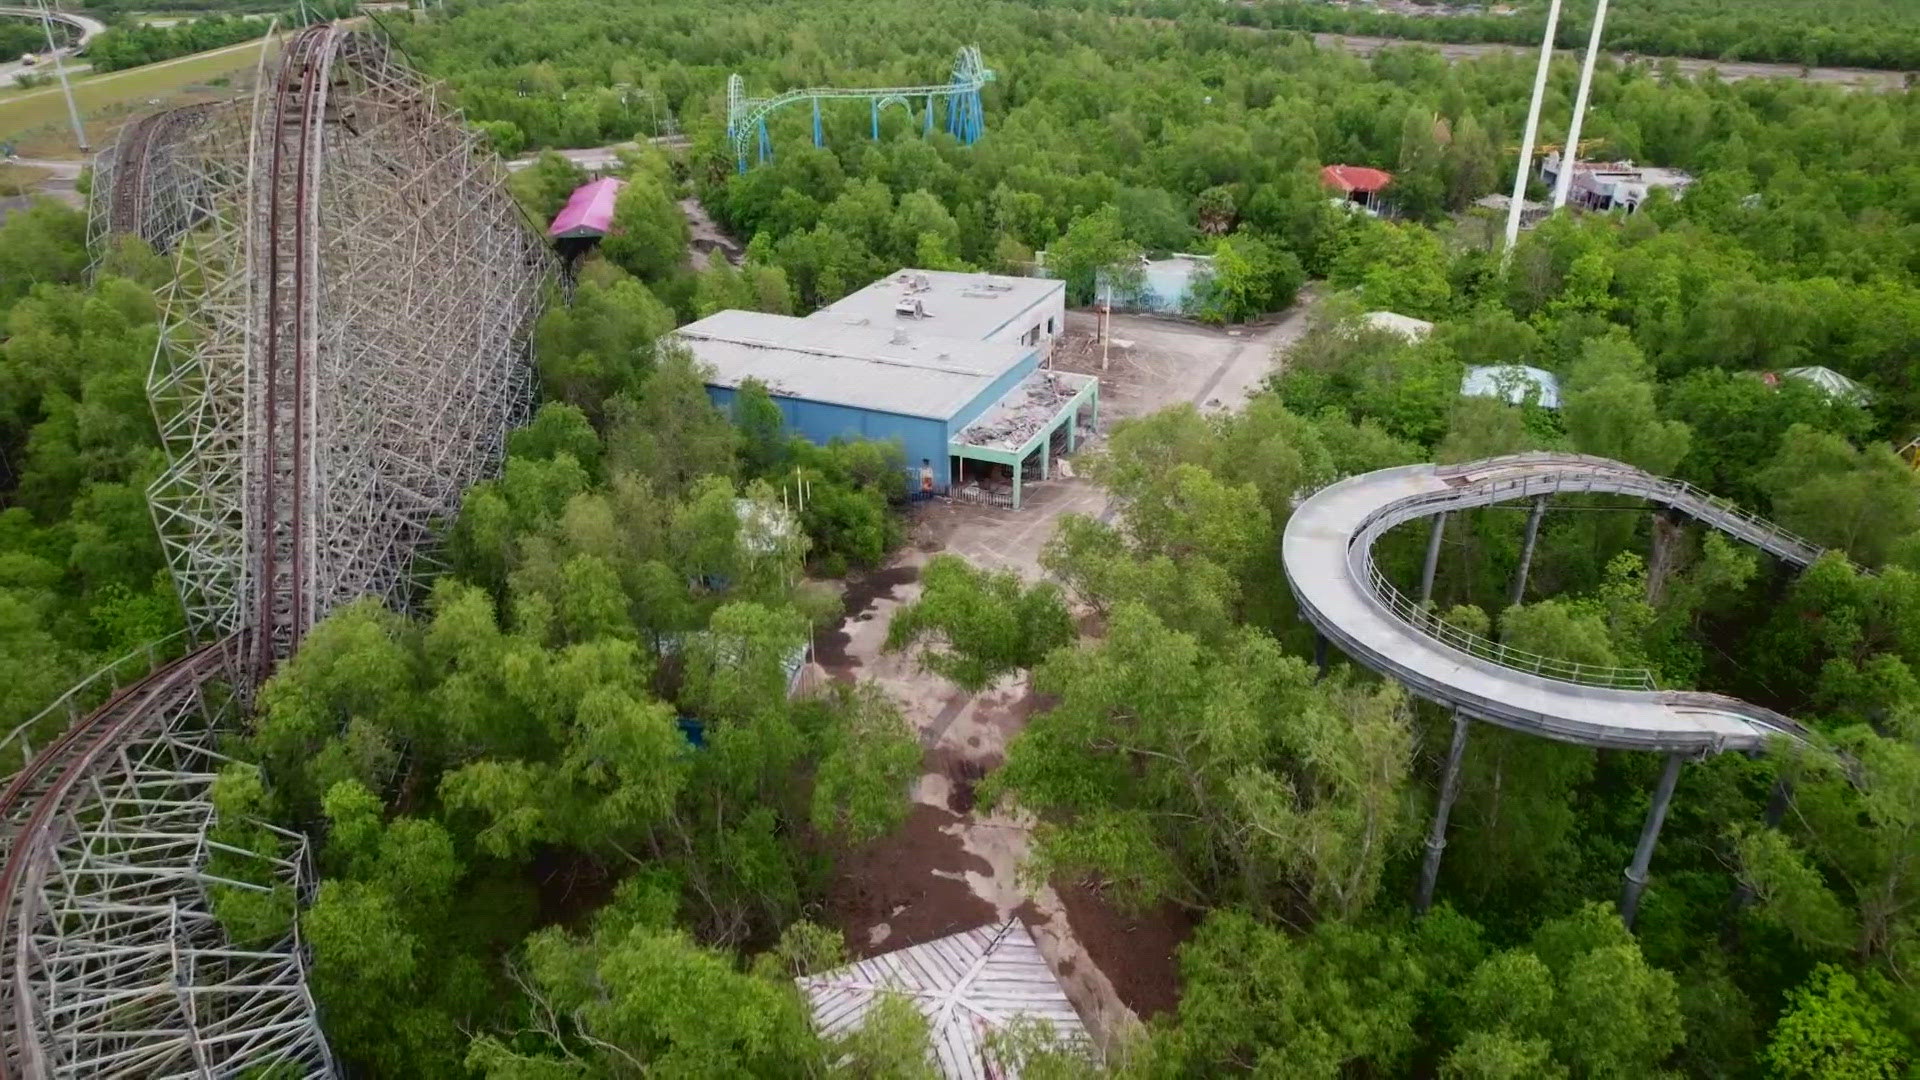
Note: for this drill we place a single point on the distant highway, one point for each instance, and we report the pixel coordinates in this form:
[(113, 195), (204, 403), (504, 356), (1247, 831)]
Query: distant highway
[(596, 158), (89, 29), (1730, 70)]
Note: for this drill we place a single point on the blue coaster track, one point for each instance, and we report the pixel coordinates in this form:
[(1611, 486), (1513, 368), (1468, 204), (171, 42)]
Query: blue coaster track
[(965, 120)]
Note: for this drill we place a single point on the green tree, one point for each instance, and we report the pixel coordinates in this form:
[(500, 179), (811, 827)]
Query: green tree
[(648, 238), (974, 627), (1156, 773), (1862, 501), (1094, 245), (1834, 1030), (673, 435)]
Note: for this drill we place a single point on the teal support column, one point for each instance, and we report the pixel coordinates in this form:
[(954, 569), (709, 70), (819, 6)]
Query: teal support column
[(817, 140), (1073, 428), (876, 119), (1046, 455), (929, 122), (766, 144), (1017, 470)]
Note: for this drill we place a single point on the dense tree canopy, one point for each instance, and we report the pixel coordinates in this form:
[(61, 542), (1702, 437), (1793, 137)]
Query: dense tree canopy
[(571, 822)]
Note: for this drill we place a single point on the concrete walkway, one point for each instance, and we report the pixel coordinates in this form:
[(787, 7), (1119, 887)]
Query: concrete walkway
[(1327, 553)]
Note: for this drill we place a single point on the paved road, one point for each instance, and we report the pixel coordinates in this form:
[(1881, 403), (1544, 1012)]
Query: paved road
[(1859, 78), (595, 158), (89, 29), (1326, 554), (60, 186)]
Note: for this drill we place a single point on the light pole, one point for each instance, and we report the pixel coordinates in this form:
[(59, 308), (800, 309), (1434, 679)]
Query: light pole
[(1533, 129), (59, 69), (1571, 152)]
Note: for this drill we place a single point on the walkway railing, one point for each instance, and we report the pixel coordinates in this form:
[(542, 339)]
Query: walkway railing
[(1602, 474), (1429, 622), (1517, 477)]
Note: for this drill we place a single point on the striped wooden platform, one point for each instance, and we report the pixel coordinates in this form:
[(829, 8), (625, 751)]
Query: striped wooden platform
[(966, 985)]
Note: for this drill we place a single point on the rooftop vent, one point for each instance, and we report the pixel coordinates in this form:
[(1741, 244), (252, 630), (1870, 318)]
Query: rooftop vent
[(909, 307)]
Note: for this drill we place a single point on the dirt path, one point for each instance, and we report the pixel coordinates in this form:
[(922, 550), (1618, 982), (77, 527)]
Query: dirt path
[(955, 866)]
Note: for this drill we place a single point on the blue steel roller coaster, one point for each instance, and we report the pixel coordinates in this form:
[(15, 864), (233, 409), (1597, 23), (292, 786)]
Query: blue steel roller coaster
[(966, 120)]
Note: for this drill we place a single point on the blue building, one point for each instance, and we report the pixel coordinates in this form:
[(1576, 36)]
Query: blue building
[(948, 364)]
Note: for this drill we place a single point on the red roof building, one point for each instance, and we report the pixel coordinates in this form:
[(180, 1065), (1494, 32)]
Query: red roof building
[(1349, 179), (1357, 184)]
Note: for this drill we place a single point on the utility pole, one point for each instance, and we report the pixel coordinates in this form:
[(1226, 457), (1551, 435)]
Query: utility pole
[(59, 69), (1533, 129), (1571, 152)]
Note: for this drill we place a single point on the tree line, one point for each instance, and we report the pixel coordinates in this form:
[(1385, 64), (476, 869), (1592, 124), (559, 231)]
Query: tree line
[(129, 43), (1851, 33)]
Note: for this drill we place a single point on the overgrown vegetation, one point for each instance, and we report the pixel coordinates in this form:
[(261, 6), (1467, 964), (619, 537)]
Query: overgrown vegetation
[(571, 824)]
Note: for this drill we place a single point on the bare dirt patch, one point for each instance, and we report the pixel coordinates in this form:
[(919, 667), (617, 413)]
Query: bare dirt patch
[(963, 772), (908, 888), (856, 604), (1137, 954)]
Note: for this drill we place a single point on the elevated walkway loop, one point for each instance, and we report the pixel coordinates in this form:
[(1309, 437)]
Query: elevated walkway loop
[(1327, 552), (1328, 555)]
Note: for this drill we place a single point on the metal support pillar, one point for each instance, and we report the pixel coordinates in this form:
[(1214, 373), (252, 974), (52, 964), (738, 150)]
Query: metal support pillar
[(1532, 130), (1636, 875), (929, 119), (1526, 550), (1433, 558), (1320, 655), (766, 144), (60, 69), (1046, 456), (1437, 836), (876, 119), (1570, 153), (817, 140)]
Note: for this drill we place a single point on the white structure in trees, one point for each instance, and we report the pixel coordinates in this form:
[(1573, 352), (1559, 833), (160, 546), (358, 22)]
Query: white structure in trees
[(966, 985)]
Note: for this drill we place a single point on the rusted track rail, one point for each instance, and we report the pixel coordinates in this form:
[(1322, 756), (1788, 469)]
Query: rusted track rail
[(33, 805)]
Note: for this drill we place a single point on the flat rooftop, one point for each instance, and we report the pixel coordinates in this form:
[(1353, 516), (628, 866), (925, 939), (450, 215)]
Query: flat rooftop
[(903, 369), (968, 306)]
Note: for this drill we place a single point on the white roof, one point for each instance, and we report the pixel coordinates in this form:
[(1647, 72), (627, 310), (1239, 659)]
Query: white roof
[(1835, 384), (970, 306), (904, 370), (1513, 382), (1405, 325), (965, 985)]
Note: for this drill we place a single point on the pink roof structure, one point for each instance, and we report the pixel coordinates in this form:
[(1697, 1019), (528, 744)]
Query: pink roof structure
[(589, 211)]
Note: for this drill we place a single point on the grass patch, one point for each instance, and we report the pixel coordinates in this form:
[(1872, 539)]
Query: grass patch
[(106, 101)]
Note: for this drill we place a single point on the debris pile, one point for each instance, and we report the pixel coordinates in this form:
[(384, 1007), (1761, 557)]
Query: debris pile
[(1024, 412)]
